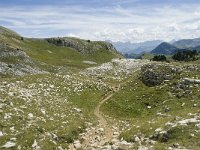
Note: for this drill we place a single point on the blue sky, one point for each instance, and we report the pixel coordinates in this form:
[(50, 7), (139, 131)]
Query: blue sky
[(116, 20)]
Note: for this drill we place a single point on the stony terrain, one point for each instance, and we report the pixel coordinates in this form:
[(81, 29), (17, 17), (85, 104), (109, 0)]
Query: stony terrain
[(53, 110), (59, 97), (38, 109), (117, 69), (16, 62), (44, 107)]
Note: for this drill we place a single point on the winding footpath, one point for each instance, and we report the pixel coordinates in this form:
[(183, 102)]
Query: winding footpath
[(104, 136), (102, 120), (101, 134)]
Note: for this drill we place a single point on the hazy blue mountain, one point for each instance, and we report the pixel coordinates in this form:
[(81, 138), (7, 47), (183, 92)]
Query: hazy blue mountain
[(187, 43), (136, 48), (164, 48)]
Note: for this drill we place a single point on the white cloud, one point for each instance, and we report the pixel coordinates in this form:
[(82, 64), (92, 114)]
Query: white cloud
[(105, 23)]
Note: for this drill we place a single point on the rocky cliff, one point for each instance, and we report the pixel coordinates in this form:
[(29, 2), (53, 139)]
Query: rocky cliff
[(84, 46)]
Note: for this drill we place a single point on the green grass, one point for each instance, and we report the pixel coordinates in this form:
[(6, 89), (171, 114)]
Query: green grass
[(57, 95), (130, 104), (60, 118), (42, 51), (147, 56)]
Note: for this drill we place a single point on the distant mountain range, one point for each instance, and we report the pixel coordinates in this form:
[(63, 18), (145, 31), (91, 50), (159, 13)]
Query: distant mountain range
[(170, 48), (136, 48), (164, 48), (133, 50)]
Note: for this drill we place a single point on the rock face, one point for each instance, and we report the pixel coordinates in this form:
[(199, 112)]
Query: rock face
[(84, 46), (155, 74), (16, 62), (17, 55)]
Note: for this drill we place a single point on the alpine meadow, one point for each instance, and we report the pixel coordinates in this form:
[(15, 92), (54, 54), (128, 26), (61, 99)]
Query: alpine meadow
[(100, 75)]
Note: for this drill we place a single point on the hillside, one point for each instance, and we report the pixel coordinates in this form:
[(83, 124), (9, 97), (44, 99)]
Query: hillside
[(7, 32), (164, 48), (49, 55)]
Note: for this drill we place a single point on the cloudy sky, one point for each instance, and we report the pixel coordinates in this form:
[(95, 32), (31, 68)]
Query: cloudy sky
[(116, 20)]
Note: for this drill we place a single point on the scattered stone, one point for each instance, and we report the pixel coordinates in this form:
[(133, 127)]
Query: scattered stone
[(77, 110), (191, 81), (115, 133), (198, 126), (158, 130), (35, 145), (149, 107), (194, 105), (143, 148), (77, 144), (186, 121), (9, 144), (1, 133), (101, 129), (183, 104), (43, 111), (60, 148), (90, 62), (176, 145), (30, 116)]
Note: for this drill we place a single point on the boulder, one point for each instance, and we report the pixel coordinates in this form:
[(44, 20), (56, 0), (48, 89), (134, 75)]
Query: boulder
[(155, 74)]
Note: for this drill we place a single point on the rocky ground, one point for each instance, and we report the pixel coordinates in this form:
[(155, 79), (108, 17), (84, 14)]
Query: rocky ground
[(117, 69), (15, 62), (65, 111), (39, 108)]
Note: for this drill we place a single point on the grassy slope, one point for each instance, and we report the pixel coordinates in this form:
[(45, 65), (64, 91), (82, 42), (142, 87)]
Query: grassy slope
[(133, 108), (58, 102), (42, 51), (92, 50)]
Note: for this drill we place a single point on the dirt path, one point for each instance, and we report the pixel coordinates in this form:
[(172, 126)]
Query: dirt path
[(102, 133), (105, 130), (102, 120), (99, 136)]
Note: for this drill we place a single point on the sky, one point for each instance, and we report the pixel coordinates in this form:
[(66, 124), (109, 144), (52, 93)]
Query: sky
[(115, 20)]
